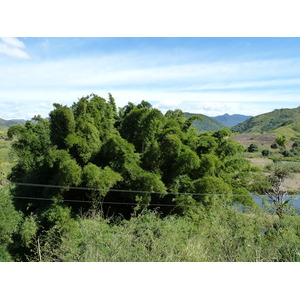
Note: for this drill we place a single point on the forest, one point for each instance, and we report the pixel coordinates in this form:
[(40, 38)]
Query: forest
[(93, 182)]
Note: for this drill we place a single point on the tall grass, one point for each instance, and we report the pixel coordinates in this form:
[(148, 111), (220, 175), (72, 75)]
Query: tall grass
[(223, 235)]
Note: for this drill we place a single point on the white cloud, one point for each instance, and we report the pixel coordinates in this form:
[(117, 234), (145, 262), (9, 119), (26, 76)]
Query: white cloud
[(29, 101), (208, 88), (247, 84), (13, 47), (122, 70), (13, 42)]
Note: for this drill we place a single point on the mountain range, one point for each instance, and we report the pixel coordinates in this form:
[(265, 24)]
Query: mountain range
[(283, 121), (231, 120), (216, 123)]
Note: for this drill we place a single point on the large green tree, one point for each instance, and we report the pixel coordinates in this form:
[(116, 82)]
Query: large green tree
[(137, 148)]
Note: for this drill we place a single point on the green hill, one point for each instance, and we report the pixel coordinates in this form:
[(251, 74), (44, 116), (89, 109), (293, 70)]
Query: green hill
[(208, 124), (283, 121), (8, 123)]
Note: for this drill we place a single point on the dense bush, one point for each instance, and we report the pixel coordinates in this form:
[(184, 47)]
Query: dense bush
[(10, 220), (296, 144), (96, 146), (274, 146), (265, 152), (252, 148), (220, 234), (287, 153)]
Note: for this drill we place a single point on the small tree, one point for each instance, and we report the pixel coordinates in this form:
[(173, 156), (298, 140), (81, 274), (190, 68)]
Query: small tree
[(281, 140), (277, 195)]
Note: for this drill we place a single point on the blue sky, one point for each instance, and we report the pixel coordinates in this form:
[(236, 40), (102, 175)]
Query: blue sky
[(212, 76)]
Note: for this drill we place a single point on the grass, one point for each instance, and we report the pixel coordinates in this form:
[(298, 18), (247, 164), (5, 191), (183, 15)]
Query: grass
[(293, 166), (7, 160), (222, 235)]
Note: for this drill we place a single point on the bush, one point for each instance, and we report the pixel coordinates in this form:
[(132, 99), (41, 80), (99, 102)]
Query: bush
[(266, 152), (295, 151), (287, 153), (274, 146), (253, 148), (296, 144)]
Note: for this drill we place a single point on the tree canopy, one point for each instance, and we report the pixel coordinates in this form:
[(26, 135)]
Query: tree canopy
[(137, 148)]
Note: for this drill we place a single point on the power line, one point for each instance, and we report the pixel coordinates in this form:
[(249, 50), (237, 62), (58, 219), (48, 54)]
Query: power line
[(104, 202), (123, 190)]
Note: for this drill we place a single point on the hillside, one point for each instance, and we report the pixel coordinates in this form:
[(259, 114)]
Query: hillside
[(8, 123), (208, 124), (231, 120), (280, 122)]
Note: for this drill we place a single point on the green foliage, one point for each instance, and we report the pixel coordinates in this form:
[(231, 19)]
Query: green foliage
[(206, 144), (252, 148), (62, 124), (228, 148), (265, 152), (9, 218), (135, 148), (28, 230), (96, 177), (212, 190), (141, 239), (205, 123), (222, 133), (66, 170), (221, 234), (277, 195), (243, 197), (280, 122), (157, 163), (287, 153), (296, 144), (294, 167), (274, 146), (281, 141)]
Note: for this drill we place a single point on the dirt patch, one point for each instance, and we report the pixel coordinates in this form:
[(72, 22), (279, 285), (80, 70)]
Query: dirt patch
[(292, 183), (260, 162), (258, 139)]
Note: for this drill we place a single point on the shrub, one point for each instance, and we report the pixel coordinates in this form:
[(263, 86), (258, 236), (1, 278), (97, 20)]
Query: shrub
[(287, 153), (296, 144), (253, 148), (265, 152), (274, 146)]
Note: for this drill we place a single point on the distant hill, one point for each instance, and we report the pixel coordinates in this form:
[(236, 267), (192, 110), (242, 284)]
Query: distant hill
[(208, 124), (8, 123), (231, 120), (283, 121)]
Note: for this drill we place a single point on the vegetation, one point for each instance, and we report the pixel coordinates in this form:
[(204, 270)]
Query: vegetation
[(137, 148), (283, 122), (8, 123), (205, 123), (253, 148), (97, 183)]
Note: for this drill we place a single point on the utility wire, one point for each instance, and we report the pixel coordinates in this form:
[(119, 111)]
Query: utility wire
[(122, 190), (104, 202)]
